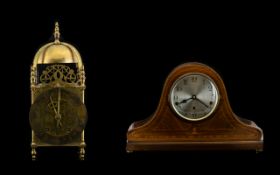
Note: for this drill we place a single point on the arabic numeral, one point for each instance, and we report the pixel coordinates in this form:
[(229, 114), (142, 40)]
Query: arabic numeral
[(179, 88), (194, 79), (210, 87)]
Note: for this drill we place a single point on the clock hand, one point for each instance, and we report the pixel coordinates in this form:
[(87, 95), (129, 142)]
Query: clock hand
[(58, 101), (58, 115), (58, 123), (57, 112), (183, 101), (53, 105), (202, 102)]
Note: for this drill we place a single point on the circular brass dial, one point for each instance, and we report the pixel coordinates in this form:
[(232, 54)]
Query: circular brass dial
[(58, 116)]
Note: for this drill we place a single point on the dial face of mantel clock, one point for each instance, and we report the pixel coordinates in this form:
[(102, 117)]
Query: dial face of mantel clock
[(58, 116), (194, 96)]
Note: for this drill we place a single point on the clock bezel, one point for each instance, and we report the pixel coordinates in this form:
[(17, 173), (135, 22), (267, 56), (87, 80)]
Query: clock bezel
[(174, 85)]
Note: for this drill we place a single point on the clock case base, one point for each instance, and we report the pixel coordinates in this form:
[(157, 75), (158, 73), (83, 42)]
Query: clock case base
[(169, 146), (223, 130)]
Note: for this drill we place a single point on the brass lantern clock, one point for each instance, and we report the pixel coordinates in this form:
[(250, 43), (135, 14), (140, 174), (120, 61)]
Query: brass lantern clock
[(58, 114)]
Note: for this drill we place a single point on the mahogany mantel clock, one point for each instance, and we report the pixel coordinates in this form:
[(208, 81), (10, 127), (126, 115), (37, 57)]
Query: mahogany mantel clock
[(193, 114), (58, 114)]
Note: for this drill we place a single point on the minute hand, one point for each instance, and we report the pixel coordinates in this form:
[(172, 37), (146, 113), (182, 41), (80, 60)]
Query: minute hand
[(202, 102), (58, 115), (58, 101), (53, 105)]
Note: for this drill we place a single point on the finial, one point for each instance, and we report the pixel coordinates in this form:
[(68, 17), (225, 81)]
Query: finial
[(56, 33)]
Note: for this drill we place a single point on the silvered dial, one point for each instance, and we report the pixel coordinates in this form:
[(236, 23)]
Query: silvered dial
[(194, 96)]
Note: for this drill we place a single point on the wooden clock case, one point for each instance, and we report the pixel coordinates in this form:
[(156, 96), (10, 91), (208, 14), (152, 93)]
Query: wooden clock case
[(165, 130)]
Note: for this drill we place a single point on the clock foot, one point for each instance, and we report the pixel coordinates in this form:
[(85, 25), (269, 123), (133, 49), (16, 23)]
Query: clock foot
[(128, 151), (33, 146), (258, 151), (82, 151), (33, 152)]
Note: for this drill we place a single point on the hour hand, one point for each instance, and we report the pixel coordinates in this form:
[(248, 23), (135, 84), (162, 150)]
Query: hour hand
[(183, 101), (58, 123), (53, 105), (58, 120)]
